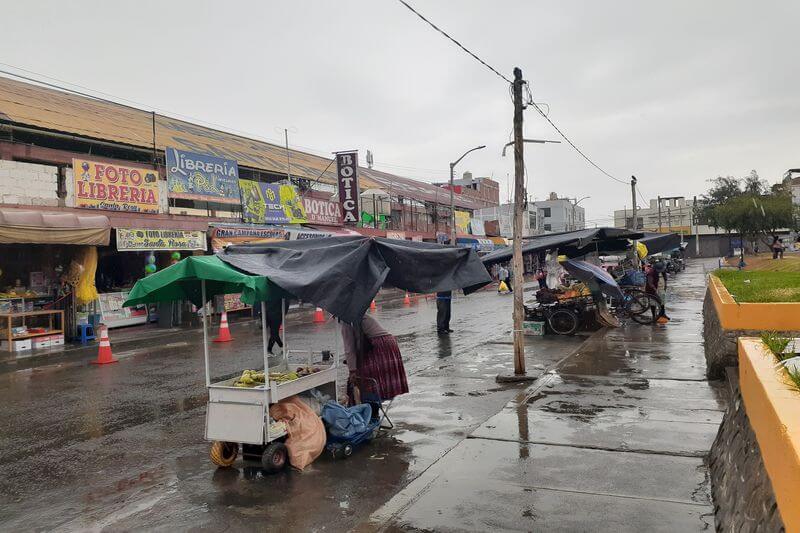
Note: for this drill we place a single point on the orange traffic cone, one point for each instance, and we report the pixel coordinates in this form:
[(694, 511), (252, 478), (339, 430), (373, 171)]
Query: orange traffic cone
[(319, 316), (407, 299), (104, 355), (224, 330), (373, 306)]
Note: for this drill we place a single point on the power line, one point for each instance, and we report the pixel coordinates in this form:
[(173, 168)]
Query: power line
[(569, 141), (435, 27), (530, 97)]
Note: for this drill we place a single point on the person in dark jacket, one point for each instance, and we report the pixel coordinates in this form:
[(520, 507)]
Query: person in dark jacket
[(444, 302), (274, 319)]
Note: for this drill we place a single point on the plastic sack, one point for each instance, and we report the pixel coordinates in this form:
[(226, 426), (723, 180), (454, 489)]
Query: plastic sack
[(346, 422), (306, 438)]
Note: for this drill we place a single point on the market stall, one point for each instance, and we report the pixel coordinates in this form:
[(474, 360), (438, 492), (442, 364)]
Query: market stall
[(240, 407)]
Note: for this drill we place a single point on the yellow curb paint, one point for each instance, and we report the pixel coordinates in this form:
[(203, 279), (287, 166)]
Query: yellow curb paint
[(778, 316), (773, 408)]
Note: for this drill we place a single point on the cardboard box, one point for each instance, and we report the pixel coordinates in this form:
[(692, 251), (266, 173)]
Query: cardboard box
[(41, 342), (57, 340), (17, 346), (535, 329)]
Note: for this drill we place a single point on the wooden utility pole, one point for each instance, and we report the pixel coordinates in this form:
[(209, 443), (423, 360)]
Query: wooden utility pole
[(519, 200), (634, 225)]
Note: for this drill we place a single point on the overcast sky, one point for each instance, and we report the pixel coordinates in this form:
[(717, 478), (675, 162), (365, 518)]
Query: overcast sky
[(674, 92)]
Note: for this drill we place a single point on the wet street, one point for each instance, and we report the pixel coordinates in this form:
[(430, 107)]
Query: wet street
[(612, 436), (615, 438), (121, 446)]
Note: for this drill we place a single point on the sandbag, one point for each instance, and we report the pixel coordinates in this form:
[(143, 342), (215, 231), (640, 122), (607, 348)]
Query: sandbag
[(306, 438)]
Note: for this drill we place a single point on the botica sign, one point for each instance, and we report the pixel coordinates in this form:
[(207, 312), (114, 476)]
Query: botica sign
[(347, 174), (323, 212)]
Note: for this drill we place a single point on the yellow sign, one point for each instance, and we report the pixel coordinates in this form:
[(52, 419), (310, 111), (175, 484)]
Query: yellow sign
[(271, 203), (160, 240), (115, 187), (462, 222)]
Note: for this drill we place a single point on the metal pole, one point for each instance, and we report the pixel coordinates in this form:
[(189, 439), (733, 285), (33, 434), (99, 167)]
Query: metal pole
[(374, 213), (519, 199), (266, 361), (452, 209), (696, 229), (659, 214), (288, 161), (205, 331)]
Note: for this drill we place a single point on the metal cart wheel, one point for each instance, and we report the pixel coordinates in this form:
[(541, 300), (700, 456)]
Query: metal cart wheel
[(563, 322), (223, 453), (347, 450), (275, 457)]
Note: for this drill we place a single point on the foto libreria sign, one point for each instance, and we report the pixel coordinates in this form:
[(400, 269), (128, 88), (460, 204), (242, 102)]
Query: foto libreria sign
[(194, 176), (115, 187)]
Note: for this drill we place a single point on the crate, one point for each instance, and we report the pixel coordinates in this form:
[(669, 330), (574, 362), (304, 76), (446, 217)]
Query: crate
[(17, 346), (533, 328), (41, 342), (57, 340)]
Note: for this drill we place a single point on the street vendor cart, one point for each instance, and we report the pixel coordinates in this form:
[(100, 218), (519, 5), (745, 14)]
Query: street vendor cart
[(237, 412)]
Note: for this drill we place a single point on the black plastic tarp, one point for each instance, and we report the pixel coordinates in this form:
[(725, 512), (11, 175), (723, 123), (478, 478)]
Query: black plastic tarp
[(343, 274), (660, 242), (570, 243)]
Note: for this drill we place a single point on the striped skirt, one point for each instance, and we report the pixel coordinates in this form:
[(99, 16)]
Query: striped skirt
[(383, 363)]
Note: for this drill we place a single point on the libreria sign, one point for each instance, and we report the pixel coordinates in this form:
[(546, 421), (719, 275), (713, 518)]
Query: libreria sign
[(347, 173)]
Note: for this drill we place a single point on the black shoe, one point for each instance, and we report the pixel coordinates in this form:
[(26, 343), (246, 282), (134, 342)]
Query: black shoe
[(448, 330), (442, 331)]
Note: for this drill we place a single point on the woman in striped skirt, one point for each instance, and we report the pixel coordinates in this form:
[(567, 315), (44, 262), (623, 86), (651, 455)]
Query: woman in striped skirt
[(379, 358)]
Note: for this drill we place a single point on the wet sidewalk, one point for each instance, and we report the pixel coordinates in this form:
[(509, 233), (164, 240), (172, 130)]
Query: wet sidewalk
[(614, 439)]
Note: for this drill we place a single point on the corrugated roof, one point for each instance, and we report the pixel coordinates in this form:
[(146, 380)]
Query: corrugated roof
[(50, 109)]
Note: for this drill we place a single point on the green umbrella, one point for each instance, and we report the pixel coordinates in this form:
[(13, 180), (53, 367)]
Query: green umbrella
[(182, 281)]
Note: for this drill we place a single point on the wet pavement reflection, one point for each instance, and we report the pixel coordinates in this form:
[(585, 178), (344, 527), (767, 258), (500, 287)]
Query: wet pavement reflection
[(121, 447), (613, 438)]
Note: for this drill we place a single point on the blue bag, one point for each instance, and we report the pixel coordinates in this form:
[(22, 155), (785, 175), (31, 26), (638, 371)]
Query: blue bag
[(346, 422)]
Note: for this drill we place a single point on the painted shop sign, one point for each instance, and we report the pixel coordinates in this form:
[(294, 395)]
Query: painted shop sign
[(160, 240), (323, 212), (194, 176), (115, 187), (347, 174), (271, 203)]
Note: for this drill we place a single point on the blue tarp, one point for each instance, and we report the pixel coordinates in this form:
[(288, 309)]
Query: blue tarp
[(346, 422)]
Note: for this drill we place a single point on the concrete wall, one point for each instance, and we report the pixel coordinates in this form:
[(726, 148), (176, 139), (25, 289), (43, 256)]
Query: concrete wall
[(744, 499), (28, 184)]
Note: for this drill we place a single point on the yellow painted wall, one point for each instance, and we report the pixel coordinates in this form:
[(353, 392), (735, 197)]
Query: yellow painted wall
[(757, 316), (773, 408)]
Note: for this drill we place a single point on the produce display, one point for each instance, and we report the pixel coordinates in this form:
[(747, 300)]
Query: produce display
[(253, 378)]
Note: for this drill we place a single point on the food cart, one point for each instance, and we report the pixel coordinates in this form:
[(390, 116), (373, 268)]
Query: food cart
[(237, 413)]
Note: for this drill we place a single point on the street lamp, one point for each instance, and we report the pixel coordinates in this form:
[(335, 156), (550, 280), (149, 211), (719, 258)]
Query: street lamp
[(452, 197), (574, 205)]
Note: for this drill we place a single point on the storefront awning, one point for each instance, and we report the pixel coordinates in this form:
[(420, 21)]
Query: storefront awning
[(18, 226), (479, 244)]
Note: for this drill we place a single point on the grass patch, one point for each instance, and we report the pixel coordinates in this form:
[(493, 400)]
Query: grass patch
[(777, 344), (765, 262), (761, 286)]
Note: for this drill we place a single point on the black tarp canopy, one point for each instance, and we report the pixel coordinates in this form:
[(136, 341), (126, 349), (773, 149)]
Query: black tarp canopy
[(660, 242), (343, 274), (570, 243)]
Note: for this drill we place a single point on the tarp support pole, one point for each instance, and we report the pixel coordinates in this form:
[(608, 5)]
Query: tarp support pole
[(205, 331), (266, 362)]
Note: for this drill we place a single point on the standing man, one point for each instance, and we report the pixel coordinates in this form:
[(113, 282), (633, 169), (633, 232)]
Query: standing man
[(444, 300)]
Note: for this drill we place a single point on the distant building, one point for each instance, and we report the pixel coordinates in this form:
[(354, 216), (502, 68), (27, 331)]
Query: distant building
[(665, 214), (545, 216), (560, 214), (792, 180), (483, 191), (502, 216)]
